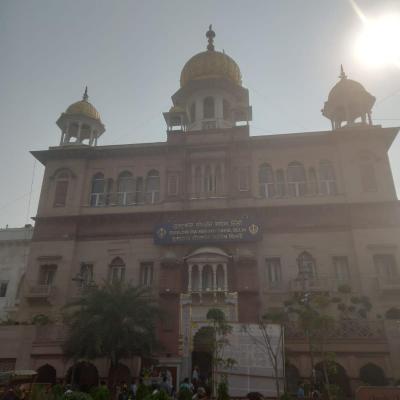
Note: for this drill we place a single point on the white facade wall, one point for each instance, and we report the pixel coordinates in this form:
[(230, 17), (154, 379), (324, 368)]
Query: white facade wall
[(14, 250)]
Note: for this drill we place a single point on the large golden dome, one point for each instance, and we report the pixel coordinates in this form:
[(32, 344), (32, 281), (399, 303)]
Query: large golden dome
[(83, 107), (210, 64)]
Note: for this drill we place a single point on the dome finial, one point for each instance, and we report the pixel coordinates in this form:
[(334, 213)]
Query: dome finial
[(342, 74), (85, 95), (210, 35)]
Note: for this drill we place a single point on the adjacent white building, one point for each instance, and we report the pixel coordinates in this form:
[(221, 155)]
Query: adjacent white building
[(14, 250)]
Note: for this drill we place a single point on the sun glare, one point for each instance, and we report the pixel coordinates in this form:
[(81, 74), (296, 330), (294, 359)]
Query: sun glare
[(378, 44)]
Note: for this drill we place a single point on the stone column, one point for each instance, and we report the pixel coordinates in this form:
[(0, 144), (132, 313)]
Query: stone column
[(213, 179), (190, 278), (91, 136), (214, 270), (193, 180), (203, 181), (222, 166), (225, 277), (79, 132), (200, 266)]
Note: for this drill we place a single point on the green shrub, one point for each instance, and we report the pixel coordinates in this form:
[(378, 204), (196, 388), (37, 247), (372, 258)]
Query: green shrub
[(185, 394), (100, 393), (142, 391), (286, 396), (222, 390), (77, 396), (158, 395)]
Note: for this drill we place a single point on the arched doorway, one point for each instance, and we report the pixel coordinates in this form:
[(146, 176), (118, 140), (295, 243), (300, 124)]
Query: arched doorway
[(292, 377), (372, 375), (203, 344), (46, 374), (337, 376), (84, 375)]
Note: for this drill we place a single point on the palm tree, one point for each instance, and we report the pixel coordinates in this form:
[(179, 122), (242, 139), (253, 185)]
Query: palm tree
[(114, 321)]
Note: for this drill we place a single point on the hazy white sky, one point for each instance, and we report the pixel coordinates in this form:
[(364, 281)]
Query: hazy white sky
[(130, 54)]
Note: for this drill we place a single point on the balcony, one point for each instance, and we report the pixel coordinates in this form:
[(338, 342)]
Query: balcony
[(124, 199), (388, 283), (39, 292)]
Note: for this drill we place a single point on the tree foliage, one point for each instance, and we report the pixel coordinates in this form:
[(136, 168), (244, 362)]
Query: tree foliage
[(113, 321), (221, 329)]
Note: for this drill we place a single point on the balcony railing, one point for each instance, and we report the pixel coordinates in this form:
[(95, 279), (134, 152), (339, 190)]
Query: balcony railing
[(39, 291), (321, 284), (388, 283), (124, 199), (207, 195), (342, 330)]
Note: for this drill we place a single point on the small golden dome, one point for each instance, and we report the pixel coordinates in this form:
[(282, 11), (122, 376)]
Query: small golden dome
[(83, 107), (211, 64)]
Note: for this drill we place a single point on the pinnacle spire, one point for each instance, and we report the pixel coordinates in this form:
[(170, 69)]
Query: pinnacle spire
[(210, 35), (85, 95), (342, 73)]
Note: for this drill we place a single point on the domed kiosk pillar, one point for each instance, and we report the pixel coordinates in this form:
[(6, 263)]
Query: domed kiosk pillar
[(348, 102), (80, 124), (211, 95)]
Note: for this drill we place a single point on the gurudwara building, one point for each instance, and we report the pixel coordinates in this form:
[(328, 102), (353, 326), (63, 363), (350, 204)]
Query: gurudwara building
[(215, 217)]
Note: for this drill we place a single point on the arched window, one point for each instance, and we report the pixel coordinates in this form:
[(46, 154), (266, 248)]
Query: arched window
[(97, 197), (195, 278), (327, 179), (117, 270), (226, 110), (153, 187), (306, 264), (61, 189), (193, 112), (208, 180), (312, 182), (125, 189), (296, 179), (208, 107), (373, 375), (197, 182), (220, 277), (280, 183), (139, 191), (218, 180), (266, 181), (368, 177), (207, 278), (46, 374)]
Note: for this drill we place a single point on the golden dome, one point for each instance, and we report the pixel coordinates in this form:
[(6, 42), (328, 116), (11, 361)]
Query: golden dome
[(211, 64), (83, 107)]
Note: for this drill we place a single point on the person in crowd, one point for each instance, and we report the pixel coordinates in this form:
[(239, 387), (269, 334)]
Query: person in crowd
[(124, 394), (300, 391), (186, 385), (195, 376), (134, 388), (10, 394), (164, 385), (201, 394)]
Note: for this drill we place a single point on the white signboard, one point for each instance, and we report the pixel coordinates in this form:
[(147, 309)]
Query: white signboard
[(253, 371)]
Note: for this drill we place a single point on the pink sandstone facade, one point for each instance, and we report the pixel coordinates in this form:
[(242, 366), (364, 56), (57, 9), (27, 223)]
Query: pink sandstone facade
[(320, 202)]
